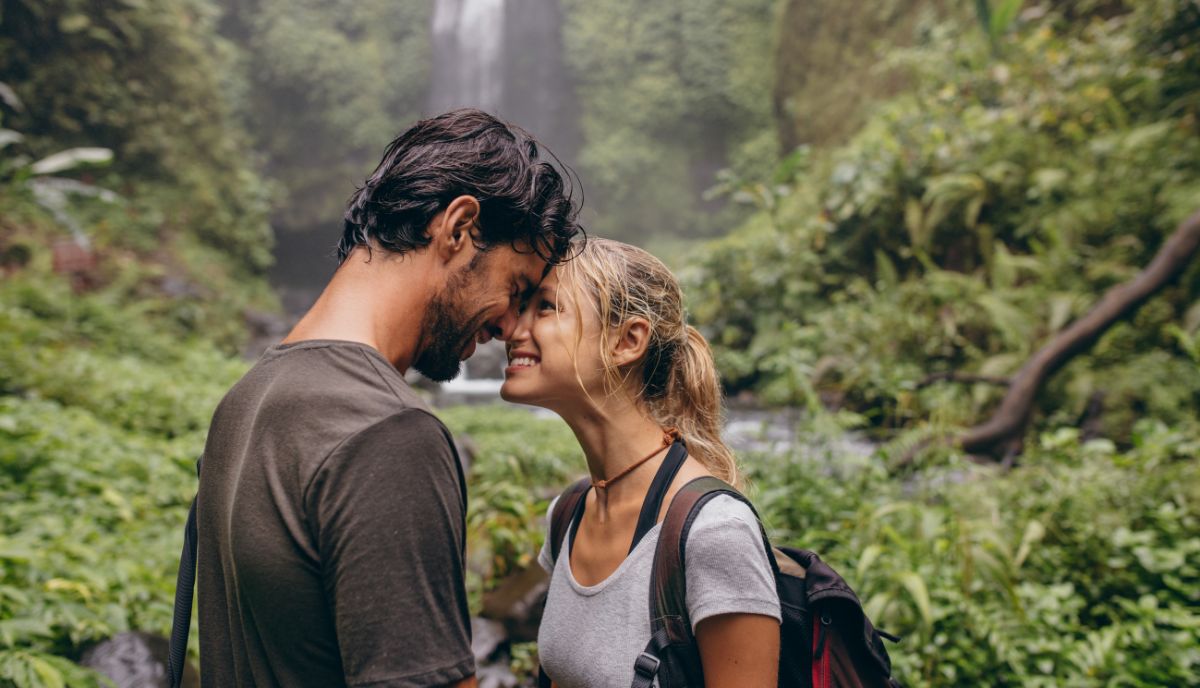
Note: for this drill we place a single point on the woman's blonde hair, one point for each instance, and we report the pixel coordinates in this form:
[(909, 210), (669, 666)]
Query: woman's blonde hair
[(679, 384)]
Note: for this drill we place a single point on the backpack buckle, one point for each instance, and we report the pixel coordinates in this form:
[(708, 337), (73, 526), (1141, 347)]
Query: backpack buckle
[(646, 665)]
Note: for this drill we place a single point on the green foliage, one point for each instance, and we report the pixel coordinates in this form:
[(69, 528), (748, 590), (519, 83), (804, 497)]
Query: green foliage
[(109, 372), (669, 93), (964, 224), (90, 530), (100, 424), (1080, 568), (21, 669), (520, 463), (82, 352), (105, 397), (831, 62), (323, 86), (968, 222), (140, 79)]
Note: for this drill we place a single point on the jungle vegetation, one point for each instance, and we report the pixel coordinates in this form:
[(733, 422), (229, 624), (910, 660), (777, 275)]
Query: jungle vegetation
[(886, 264)]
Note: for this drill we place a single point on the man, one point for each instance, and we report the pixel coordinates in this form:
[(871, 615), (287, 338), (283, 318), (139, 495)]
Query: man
[(331, 504)]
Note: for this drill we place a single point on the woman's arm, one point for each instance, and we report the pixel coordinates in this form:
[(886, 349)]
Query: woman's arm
[(739, 650)]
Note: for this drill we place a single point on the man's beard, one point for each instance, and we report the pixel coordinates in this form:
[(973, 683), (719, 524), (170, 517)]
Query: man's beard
[(448, 329)]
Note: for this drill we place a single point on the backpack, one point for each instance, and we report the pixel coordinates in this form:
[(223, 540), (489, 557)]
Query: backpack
[(826, 640)]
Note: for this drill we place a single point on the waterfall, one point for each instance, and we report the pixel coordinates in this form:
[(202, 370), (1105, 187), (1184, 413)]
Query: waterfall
[(468, 50), (505, 57)]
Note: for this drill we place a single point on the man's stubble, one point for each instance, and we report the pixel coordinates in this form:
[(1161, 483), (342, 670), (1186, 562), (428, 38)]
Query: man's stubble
[(448, 327)]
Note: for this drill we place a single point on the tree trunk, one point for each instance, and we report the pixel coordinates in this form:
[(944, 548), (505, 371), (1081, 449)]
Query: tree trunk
[(1008, 422)]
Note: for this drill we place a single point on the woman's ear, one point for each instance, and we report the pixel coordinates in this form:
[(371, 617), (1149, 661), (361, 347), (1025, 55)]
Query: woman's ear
[(633, 338), (454, 229)]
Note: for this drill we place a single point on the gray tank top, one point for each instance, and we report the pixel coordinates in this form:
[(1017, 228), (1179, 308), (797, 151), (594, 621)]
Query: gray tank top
[(591, 634)]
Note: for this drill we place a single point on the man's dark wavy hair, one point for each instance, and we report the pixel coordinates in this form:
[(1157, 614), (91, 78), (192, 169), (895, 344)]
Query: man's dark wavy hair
[(522, 197)]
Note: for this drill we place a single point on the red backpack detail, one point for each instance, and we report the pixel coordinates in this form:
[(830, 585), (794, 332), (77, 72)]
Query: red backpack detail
[(826, 641)]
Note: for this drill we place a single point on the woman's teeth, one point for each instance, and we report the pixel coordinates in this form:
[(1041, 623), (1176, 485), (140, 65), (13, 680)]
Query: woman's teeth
[(523, 361)]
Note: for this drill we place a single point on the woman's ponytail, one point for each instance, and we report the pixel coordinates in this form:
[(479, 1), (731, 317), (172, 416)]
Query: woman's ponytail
[(692, 404)]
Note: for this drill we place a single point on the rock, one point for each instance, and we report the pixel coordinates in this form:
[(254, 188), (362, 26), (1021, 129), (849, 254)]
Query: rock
[(517, 602), (136, 659), (489, 644), (266, 329), (487, 637), (178, 288), (496, 676)]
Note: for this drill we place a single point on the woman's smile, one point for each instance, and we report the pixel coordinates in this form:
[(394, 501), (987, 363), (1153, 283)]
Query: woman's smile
[(518, 360)]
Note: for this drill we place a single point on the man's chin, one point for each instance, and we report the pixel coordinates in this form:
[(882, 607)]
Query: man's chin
[(441, 365), (438, 371)]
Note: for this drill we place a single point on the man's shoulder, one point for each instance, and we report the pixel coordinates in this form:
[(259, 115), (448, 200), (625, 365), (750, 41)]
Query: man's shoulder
[(311, 398), (320, 378), (408, 450)]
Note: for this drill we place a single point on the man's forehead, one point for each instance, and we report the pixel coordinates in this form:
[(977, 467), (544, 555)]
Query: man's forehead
[(529, 264)]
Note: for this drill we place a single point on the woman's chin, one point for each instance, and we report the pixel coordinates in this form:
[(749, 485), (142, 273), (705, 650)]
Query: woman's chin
[(511, 392), (507, 393)]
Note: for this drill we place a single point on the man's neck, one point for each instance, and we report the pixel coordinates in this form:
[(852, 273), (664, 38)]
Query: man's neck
[(378, 303)]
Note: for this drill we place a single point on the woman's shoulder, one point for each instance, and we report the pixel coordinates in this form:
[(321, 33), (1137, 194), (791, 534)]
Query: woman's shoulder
[(726, 563), (727, 518), (728, 506)]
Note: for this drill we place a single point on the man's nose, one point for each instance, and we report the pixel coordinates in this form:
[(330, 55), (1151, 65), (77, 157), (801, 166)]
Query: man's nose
[(513, 325), (504, 326)]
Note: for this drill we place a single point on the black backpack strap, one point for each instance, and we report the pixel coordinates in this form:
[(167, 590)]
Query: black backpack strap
[(652, 503), (672, 653), (185, 586), (565, 510), (647, 664)]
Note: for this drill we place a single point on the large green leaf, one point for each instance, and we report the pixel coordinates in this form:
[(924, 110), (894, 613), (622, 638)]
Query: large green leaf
[(70, 159)]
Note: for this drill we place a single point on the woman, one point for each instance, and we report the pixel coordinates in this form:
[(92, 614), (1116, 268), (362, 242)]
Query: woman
[(604, 344)]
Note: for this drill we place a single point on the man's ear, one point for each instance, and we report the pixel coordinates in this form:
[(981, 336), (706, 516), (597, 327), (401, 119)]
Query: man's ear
[(454, 229), (631, 342)]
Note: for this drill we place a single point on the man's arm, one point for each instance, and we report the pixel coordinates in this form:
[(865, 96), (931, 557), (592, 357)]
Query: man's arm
[(387, 509)]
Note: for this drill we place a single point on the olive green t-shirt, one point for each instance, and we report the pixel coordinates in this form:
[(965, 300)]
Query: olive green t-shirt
[(331, 529)]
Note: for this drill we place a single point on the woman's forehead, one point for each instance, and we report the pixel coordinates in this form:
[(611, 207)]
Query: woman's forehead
[(552, 280)]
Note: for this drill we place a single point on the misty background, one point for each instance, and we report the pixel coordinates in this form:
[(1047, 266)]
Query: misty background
[(647, 102)]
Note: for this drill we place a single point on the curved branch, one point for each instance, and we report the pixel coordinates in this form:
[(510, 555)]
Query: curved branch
[(1119, 302)]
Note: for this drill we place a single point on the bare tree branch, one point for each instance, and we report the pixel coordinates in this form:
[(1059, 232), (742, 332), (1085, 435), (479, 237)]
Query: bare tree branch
[(1119, 302)]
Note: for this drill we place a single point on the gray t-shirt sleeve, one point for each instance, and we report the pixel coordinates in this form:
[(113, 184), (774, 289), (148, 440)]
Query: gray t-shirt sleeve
[(727, 567), (387, 511)]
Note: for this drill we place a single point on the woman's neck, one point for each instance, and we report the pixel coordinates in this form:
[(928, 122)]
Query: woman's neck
[(613, 437)]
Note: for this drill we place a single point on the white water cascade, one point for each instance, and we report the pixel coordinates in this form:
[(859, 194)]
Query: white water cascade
[(468, 48), (503, 57), (468, 71)]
